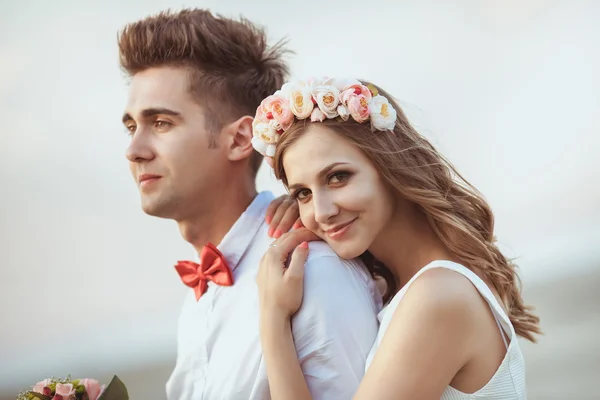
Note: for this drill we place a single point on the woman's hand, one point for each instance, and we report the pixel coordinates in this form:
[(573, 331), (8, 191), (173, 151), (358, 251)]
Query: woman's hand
[(280, 287), (282, 215)]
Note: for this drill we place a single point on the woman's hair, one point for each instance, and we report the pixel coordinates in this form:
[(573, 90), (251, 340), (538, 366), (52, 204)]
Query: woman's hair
[(456, 211)]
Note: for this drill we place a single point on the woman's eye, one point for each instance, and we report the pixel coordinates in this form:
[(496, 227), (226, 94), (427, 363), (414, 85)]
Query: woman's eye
[(301, 194), (338, 177)]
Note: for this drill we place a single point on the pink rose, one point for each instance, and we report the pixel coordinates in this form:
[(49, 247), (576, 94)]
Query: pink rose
[(92, 388), (317, 115), (278, 108), (42, 387), (353, 91), (261, 114), (64, 391), (358, 107)]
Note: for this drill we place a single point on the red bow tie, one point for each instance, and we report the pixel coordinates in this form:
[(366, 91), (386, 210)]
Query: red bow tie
[(212, 267)]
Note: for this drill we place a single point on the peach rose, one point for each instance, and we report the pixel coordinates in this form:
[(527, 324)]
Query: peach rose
[(277, 108), (353, 90), (300, 97), (358, 107)]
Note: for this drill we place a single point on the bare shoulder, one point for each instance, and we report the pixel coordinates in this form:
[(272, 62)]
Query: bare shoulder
[(443, 293), (435, 320)]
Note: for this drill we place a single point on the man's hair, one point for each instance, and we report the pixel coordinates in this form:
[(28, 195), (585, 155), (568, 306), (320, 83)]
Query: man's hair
[(232, 68)]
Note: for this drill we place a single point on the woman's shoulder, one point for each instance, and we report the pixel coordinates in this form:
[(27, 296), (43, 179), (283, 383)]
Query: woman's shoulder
[(439, 298), (443, 291)]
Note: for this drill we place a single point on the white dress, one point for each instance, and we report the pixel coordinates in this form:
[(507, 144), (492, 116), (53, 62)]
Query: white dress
[(509, 380)]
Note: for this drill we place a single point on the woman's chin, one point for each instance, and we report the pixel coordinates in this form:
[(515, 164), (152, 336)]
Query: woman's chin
[(347, 250)]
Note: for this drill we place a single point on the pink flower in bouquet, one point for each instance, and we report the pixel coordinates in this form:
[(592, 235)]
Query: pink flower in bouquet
[(42, 387), (64, 391), (92, 388)]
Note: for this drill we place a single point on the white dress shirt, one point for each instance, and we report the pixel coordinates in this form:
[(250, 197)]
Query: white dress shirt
[(218, 344)]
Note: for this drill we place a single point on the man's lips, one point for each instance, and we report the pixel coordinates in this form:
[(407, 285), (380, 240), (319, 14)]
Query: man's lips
[(146, 179)]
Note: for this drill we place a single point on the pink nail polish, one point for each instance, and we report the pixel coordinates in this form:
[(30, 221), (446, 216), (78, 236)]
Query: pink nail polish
[(269, 219), (277, 234), (304, 245)]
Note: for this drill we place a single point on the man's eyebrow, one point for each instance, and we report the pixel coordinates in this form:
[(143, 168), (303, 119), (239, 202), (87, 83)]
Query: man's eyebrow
[(150, 112)]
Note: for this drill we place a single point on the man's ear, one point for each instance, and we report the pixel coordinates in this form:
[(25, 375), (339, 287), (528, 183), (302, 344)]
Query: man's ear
[(239, 138)]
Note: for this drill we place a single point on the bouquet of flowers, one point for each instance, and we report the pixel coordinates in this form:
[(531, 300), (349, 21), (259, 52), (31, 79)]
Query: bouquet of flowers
[(78, 389)]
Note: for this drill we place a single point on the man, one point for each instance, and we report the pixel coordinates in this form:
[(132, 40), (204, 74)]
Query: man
[(196, 81)]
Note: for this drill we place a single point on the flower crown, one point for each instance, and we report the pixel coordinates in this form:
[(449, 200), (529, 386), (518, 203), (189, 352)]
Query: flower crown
[(318, 99)]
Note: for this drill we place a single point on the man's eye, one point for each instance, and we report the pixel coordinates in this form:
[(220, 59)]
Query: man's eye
[(162, 124), (130, 129)]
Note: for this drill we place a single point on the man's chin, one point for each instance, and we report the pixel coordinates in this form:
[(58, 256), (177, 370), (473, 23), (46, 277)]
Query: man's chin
[(155, 210)]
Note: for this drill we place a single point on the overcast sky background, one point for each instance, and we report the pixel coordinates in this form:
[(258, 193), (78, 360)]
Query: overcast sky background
[(508, 90)]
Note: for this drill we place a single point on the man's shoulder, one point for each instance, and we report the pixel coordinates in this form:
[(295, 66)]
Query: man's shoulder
[(327, 274), (338, 294), (322, 256)]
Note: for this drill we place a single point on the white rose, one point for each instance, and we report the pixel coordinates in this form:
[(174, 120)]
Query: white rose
[(382, 114), (275, 124), (343, 111), (263, 148), (300, 100), (265, 138), (328, 98), (317, 115), (266, 132)]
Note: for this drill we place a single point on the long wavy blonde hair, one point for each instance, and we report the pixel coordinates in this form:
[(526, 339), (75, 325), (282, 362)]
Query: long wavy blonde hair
[(456, 211)]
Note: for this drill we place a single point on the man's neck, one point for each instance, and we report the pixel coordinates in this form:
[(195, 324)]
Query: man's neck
[(211, 224)]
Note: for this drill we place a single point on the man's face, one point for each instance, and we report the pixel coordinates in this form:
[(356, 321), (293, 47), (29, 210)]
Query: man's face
[(170, 155)]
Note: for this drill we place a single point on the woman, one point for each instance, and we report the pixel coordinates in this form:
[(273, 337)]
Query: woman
[(370, 186)]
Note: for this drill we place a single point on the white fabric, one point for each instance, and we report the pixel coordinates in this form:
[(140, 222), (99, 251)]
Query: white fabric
[(508, 383), (218, 347)]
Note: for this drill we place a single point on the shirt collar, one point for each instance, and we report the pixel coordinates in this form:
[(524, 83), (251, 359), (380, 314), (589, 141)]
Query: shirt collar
[(236, 241)]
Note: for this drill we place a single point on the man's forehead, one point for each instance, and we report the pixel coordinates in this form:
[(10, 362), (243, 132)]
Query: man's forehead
[(147, 92)]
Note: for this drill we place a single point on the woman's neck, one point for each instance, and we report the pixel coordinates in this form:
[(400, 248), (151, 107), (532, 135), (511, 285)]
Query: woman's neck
[(407, 244)]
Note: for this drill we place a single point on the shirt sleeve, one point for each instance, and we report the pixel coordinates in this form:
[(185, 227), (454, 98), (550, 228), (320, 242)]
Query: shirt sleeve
[(336, 325)]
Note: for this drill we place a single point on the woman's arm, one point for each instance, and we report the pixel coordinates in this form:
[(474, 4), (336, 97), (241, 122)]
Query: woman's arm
[(426, 344), (429, 340), (286, 380), (280, 296)]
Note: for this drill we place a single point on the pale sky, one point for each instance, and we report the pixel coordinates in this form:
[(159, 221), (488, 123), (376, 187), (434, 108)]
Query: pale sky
[(508, 90)]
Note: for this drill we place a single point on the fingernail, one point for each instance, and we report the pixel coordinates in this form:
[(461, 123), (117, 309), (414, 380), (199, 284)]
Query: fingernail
[(296, 226), (268, 218), (271, 229), (277, 234), (304, 245)]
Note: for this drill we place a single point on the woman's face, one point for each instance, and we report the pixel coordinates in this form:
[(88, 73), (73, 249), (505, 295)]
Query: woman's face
[(341, 195)]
